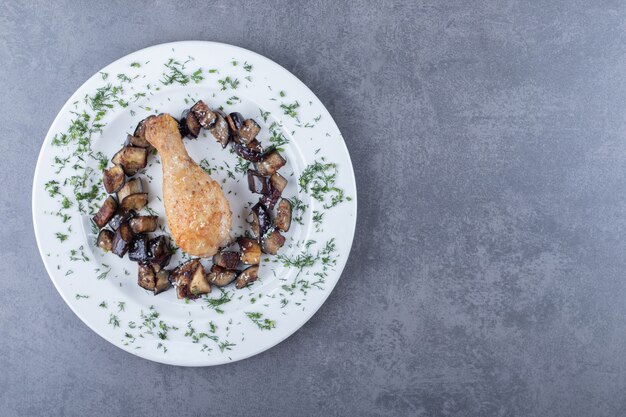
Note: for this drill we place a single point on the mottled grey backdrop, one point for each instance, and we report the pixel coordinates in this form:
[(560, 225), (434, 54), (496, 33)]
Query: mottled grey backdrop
[(488, 272)]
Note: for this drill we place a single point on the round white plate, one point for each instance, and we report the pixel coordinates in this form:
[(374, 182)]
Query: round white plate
[(225, 325)]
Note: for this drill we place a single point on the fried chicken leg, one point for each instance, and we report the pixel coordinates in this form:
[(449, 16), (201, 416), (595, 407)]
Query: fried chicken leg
[(198, 214)]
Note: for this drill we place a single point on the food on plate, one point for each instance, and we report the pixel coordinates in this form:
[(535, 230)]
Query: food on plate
[(257, 183), (250, 251), (132, 159), (226, 259), (134, 202), (261, 220), (247, 276), (159, 250), (278, 182), (106, 212), (283, 215), (189, 125), (144, 224), (121, 241), (272, 241), (271, 162), (190, 280), (220, 129), (105, 240), (221, 276), (134, 186), (114, 179), (206, 117), (138, 249), (197, 212)]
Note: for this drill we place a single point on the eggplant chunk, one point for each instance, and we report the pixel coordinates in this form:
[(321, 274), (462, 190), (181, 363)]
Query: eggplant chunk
[(248, 130), (144, 224), (278, 182), (121, 217), (140, 132), (221, 276), (257, 183), (132, 159), (114, 179), (134, 186), (248, 154), (283, 215), (235, 121), (226, 259), (146, 278), (271, 198), (271, 162), (190, 122), (138, 249), (159, 251), (190, 280), (199, 284), (260, 215), (137, 141), (122, 239), (255, 225), (250, 251), (105, 240), (134, 202), (105, 213), (247, 276), (181, 277), (220, 130), (162, 281), (206, 117), (255, 145), (272, 242)]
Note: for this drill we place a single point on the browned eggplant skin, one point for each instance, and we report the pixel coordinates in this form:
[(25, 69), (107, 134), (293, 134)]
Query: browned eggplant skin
[(144, 224), (184, 275), (122, 239), (105, 240), (132, 159), (248, 130), (221, 276), (250, 251), (162, 281), (226, 259), (278, 182), (272, 161), (272, 242), (146, 278), (206, 117), (134, 202), (190, 123), (220, 129), (283, 215), (247, 276), (106, 212), (114, 179), (133, 186), (159, 250), (257, 183)]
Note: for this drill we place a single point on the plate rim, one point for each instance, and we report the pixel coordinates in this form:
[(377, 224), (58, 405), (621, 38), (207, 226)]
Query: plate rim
[(306, 316)]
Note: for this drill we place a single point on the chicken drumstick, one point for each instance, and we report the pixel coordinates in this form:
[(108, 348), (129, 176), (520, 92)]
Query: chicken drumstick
[(198, 214)]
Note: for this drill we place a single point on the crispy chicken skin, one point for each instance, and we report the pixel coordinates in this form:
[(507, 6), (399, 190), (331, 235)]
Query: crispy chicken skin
[(198, 214)]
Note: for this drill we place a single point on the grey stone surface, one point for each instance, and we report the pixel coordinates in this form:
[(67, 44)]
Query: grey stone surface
[(487, 273)]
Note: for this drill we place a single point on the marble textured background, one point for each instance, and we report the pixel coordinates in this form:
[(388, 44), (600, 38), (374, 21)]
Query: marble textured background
[(487, 277)]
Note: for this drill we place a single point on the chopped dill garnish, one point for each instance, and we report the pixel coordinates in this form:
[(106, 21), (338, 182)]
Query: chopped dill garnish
[(319, 179), (228, 82), (262, 323)]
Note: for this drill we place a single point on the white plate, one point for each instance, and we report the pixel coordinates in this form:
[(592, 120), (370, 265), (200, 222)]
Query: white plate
[(102, 288)]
